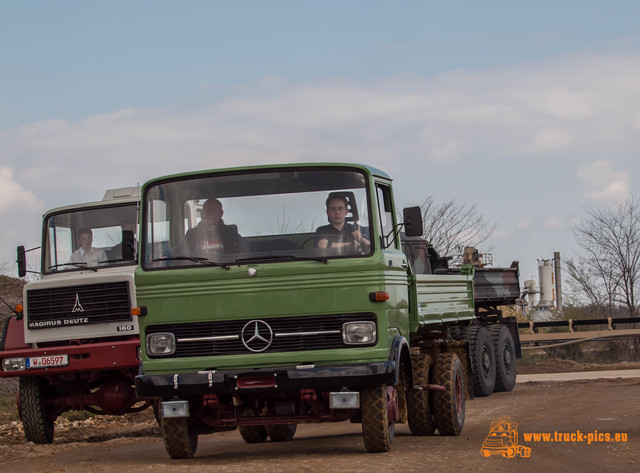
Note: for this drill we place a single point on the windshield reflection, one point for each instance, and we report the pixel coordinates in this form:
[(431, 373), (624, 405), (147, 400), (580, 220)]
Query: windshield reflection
[(306, 215)]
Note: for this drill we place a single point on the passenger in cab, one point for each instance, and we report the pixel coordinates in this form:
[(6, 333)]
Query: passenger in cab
[(87, 253), (212, 235)]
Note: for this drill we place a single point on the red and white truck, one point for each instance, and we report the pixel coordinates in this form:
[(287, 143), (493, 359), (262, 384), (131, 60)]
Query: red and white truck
[(73, 343)]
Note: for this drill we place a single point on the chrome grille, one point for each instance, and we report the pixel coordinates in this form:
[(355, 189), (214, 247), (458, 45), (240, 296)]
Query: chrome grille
[(320, 332), (97, 303)]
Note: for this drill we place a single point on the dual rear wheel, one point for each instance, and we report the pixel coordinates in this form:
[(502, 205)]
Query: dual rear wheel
[(492, 356)]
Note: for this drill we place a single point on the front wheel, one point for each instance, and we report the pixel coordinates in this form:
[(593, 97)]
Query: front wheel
[(180, 437), (377, 423), (36, 419), (449, 406)]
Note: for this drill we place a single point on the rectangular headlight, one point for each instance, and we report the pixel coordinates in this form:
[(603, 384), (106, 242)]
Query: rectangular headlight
[(161, 344), (359, 333), (14, 364)]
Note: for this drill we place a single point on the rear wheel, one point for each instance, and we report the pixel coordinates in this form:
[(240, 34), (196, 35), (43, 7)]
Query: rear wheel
[(253, 433), (180, 437), (377, 424), (449, 406), (36, 419), (281, 432), (506, 363), (418, 402), (483, 360)]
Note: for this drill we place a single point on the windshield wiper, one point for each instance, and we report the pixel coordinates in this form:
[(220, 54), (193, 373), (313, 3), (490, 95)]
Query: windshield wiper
[(320, 259), (119, 260), (82, 265), (195, 259)]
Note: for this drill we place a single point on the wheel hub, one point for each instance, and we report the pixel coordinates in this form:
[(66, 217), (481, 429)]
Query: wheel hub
[(507, 358), (486, 361)]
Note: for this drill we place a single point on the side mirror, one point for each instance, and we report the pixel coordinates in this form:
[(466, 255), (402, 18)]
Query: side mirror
[(22, 262), (412, 217)]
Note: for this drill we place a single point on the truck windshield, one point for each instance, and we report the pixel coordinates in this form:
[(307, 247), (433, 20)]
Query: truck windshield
[(90, 238), (265, 216)]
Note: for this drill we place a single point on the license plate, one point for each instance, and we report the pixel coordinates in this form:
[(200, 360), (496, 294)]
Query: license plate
[(47, 361)]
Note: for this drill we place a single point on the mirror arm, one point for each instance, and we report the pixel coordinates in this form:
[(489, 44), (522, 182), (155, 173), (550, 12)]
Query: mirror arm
[(395, 231)]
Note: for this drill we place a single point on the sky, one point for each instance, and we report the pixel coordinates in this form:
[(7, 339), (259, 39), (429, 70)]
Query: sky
[(528, 110)]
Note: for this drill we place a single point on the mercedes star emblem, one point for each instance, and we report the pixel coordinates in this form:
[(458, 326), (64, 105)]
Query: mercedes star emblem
[(256, 336)]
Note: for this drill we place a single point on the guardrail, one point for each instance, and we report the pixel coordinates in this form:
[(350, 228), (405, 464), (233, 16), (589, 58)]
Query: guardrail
[(574, 330)]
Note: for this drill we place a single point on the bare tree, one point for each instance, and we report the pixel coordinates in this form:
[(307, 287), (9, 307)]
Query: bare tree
[(451, 226), (606, 273)]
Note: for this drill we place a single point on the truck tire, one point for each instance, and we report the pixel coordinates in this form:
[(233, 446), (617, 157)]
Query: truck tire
[(483, 360), (281, 432), (419, 414), (253, 433), (449, 406), (36, 420), (377, 428), (180, 437), (506, 362)]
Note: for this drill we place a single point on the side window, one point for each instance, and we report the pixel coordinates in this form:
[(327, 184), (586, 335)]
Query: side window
[(60, 246), (385, 214), (158, 233)]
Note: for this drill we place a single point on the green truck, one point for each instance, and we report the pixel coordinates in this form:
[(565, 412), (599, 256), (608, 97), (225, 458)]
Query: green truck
[(257, 314)]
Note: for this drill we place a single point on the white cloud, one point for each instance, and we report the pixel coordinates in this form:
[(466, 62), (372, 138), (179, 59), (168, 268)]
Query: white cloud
[(603, 184), (548, 140), (576, 107), (525, 127), (553, 222), (524, 224), (12, 194)]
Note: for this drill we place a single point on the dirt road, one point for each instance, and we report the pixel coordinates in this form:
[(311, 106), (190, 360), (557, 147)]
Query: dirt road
[(133, 443)]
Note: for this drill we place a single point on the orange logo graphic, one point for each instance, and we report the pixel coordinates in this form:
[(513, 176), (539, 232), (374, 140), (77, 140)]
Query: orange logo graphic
[(503, 440)]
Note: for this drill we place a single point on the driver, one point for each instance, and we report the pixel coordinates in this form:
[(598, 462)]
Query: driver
[(339, 233)]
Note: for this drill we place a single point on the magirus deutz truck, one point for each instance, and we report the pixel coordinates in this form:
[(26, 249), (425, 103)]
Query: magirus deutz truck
[(74, 343), (277, 295)]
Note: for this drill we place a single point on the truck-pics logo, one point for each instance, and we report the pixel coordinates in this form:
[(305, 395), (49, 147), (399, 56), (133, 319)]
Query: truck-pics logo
[(77, 307), (257, 336), (503, 440)]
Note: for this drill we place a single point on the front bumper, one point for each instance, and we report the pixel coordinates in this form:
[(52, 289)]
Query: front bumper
[(103, 356), (256, 380)]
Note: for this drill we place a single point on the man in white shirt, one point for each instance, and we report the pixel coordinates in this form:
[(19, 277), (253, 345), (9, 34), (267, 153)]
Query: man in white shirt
[(87, 253)]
